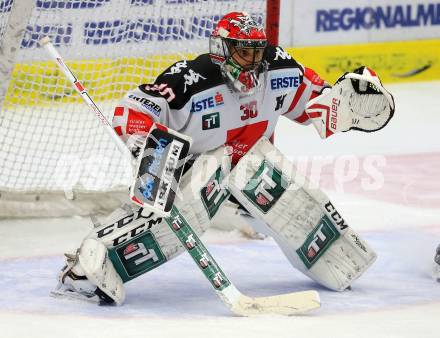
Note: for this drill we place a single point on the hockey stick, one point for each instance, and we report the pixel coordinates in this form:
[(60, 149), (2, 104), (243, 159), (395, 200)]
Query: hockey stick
[(45, 42), (240, 304), (148, 191), (285, 304)]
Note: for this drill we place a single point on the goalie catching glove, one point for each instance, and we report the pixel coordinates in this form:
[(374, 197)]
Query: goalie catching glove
[(357, 101)]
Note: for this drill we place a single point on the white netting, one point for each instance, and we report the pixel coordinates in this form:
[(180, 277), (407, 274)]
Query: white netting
[(5, 9), (50, 142)]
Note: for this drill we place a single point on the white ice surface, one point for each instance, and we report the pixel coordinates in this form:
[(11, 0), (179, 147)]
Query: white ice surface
[(396, 298)]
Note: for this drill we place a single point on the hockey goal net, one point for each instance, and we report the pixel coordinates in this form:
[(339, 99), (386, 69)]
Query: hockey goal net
[(55, 159)]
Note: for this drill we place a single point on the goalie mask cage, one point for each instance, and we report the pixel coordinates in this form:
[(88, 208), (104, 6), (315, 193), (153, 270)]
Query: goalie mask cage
[(55, 158)]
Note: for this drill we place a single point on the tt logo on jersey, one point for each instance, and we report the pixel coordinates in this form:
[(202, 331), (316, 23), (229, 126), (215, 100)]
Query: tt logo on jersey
[(211, 121), (207, 102), (191, 78)]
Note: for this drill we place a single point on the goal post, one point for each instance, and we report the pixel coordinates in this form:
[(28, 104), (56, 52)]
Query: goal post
[(55, 159), (273, 8)]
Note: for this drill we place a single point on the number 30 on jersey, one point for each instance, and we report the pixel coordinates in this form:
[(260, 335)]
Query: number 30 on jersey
[(249, 110)]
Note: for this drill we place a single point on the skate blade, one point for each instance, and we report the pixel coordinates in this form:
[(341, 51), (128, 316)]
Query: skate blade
[(70, 295)]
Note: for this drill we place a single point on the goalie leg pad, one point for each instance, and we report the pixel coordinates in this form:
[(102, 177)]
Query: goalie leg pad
[(309, 230), (132, 241), (139, 240)]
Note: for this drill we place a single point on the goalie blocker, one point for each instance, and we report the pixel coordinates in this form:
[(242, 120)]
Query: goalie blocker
[(159, 169), (305, 224)]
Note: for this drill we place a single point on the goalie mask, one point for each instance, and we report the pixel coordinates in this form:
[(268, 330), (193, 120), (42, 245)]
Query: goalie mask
[(237, 45)]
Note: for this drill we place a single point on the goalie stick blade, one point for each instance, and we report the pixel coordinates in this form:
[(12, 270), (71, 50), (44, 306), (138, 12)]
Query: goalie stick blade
[(286, 304)]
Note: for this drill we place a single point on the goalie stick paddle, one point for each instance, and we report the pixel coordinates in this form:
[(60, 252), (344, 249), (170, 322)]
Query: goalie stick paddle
[(284, 304), (238, 303)]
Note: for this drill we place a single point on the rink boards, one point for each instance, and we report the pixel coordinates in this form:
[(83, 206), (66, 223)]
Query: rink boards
[(39, 83)]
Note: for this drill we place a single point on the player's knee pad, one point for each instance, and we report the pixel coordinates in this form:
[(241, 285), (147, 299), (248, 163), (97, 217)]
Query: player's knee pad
[(308, 228)]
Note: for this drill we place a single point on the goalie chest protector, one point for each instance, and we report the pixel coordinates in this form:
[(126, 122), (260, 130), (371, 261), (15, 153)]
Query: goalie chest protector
[(203, 106)]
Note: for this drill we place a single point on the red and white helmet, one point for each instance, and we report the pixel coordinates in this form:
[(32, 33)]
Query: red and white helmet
[(237, 45)]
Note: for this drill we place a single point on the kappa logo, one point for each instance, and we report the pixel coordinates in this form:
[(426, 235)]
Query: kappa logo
[(280, 53), (191, 78), (177, 68)]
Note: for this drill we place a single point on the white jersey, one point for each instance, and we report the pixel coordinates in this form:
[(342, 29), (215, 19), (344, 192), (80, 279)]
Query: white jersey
[(193, 98)]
